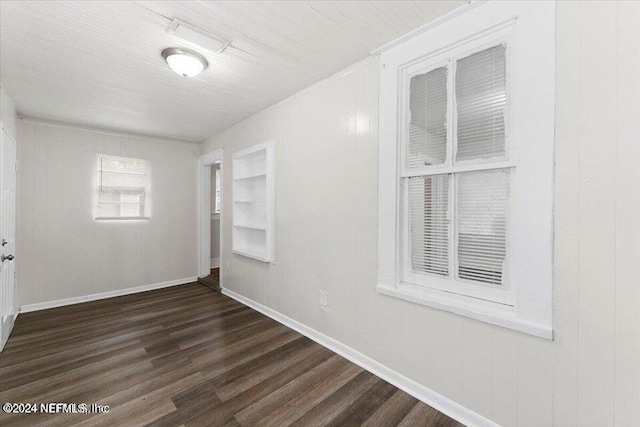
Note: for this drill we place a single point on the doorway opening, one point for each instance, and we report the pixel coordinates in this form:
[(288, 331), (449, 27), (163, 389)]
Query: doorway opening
[(210, 219), (213, 279)]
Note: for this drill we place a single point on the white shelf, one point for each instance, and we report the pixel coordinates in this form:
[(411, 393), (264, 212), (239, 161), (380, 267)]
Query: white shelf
[(250, 254), (251, 226), (252, 198), (257, 175)]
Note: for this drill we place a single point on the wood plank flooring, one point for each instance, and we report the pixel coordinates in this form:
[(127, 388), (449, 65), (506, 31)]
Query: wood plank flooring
[(212, 280), (189, 356)]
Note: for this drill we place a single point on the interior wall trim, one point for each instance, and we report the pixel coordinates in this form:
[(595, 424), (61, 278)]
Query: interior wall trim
[(102, 295), (426, 395), (6, 326), (113, 132), (470, 4)]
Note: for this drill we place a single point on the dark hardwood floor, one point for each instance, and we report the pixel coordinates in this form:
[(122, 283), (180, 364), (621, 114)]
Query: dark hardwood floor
[(189, 356), (212, 280)]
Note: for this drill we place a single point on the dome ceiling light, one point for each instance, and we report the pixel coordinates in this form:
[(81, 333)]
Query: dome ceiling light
[(185, 62)]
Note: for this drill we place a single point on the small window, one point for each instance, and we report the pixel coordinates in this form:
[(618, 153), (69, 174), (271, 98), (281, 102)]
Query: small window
[(122, 188), (217, 195)]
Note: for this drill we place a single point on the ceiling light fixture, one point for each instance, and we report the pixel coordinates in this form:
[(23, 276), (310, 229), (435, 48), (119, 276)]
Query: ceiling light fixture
[(185, 62)]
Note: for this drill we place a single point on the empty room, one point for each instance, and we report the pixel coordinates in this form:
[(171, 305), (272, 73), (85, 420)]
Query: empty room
[(320, 213)]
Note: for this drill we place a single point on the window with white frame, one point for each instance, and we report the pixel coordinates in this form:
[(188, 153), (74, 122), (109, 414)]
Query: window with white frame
[(455, 170), (466, 162), (122, 188)]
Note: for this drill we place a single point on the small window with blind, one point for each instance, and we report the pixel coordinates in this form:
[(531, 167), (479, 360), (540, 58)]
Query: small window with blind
[(465, 163), (122, 188), (217, 202)]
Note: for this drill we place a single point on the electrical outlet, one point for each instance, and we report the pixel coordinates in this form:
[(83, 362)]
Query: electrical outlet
[(324, 299)]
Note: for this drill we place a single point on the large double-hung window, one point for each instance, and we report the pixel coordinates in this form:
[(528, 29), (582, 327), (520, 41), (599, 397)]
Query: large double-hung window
[(456, 171), (466, 161)]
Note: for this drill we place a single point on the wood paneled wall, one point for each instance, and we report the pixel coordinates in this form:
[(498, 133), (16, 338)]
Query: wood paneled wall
[(63, 252), (326, 222), (8, 114)]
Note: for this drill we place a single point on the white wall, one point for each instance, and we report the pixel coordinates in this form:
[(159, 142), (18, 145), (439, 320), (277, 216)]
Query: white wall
[(8, 114), (326, 226), (62, 252)]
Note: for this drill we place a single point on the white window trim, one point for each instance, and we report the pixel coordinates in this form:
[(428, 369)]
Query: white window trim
[(528, 28)]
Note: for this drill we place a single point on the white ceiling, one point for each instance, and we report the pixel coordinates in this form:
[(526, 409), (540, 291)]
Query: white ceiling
[(98, 63)]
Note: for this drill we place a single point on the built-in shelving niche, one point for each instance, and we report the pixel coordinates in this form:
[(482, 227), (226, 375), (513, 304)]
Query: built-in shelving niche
[(253, 191)]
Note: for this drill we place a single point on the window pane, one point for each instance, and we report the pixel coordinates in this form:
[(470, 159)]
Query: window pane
[(428, 208), (428, 119), (119, 202), (108, 196), (108, 211), (107, 179), (131, 210), (481, 225), (480, 103)]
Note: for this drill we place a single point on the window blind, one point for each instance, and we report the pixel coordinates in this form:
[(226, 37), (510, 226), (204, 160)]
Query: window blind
[(428, 119), (481, 225), (480, 87), (123, 186), (428, 211)]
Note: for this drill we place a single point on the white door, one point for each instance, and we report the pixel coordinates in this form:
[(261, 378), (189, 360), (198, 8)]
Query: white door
[(7, 232)]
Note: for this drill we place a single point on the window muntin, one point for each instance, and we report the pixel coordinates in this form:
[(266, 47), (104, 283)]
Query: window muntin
[(122, 188), (457, 219)]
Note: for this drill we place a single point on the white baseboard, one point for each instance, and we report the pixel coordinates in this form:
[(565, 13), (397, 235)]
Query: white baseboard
[(102, 295), (7, 326), (428, 396), (215, 262)]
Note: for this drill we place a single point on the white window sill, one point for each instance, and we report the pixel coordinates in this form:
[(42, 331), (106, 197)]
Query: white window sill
[(123, 218), (486, 311)]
